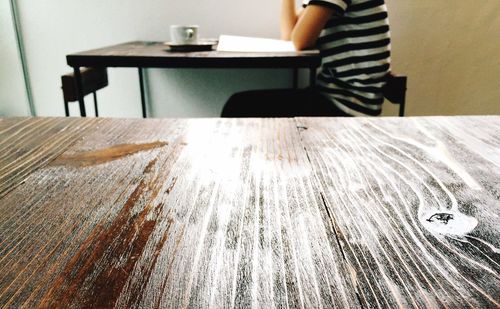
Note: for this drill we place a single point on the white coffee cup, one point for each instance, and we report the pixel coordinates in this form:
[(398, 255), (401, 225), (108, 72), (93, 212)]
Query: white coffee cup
[(183, 34)]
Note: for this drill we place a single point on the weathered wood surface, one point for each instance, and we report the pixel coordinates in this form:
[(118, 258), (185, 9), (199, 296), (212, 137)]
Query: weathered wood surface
[(416, 206), (253, 213), (29, 143), (164, 213)]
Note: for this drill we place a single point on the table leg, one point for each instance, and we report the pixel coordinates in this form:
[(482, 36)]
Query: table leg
[(295, 78), (79, 91), (95, 105), (402, 108), (312, 77), (143, 99)]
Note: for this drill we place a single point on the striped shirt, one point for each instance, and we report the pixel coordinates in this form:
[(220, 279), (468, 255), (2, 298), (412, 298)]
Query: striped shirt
[(355, 52)]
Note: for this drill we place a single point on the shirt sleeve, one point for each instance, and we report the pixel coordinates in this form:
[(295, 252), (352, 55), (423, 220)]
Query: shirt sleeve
[(338, 5)]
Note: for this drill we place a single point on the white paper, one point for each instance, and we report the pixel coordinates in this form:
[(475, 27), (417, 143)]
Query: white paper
[(231, 43)]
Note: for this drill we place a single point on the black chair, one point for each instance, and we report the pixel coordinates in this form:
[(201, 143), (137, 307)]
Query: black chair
[(395, 91), (93, 79)]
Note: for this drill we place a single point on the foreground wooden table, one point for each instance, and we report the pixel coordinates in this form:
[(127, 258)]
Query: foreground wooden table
[(237, 213)]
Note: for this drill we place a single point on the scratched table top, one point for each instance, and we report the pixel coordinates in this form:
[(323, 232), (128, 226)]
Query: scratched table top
[(268, 213)]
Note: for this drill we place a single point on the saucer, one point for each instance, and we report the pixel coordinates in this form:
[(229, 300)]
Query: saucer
[(201, 45)]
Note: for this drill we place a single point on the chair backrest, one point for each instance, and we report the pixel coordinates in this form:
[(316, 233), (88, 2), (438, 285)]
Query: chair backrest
[(93, 79), (395, 91)]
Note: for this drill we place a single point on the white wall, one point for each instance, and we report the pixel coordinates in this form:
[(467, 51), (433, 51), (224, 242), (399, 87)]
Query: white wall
[(13, 100), (53, 29), (449, 51)]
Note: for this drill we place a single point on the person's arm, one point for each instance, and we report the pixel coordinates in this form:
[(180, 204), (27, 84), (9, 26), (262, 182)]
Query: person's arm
[(303, 29), (289, 18), (309, 26)]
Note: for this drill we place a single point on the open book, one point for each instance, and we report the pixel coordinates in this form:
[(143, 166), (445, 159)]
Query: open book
[(231, 43)]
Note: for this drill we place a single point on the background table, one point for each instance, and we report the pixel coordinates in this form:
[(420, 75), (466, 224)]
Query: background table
[(304, 212), (154, 55)]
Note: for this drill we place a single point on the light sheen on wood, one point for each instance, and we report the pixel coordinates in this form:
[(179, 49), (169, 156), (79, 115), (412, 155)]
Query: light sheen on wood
[(208, 213)]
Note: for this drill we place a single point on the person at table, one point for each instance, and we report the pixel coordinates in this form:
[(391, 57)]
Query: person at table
[(354, 41)]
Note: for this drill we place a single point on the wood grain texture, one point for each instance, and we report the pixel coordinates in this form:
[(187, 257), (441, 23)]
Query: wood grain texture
[(156, 55), (30, 143), (173, 213), (415, 204), (269, 213)]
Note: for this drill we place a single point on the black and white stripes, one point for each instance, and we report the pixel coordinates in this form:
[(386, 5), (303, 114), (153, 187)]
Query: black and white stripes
[(355, 50)]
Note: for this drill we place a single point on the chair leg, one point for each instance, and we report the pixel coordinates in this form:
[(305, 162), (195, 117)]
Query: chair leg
[(79, 91), (95, 105), (66, 108)]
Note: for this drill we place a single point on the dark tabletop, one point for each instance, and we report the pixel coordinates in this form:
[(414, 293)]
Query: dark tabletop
[(158, 55), (240, 213)]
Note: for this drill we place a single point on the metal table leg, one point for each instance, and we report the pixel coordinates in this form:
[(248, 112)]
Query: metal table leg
[(295, 78), (95, 105), (312, 77), (81, 102), (143, 99)]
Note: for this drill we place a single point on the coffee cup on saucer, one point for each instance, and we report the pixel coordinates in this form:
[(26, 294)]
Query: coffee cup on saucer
[(184, 34)]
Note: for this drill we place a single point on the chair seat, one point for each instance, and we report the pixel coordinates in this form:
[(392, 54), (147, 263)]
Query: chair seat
[(93, 79)]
